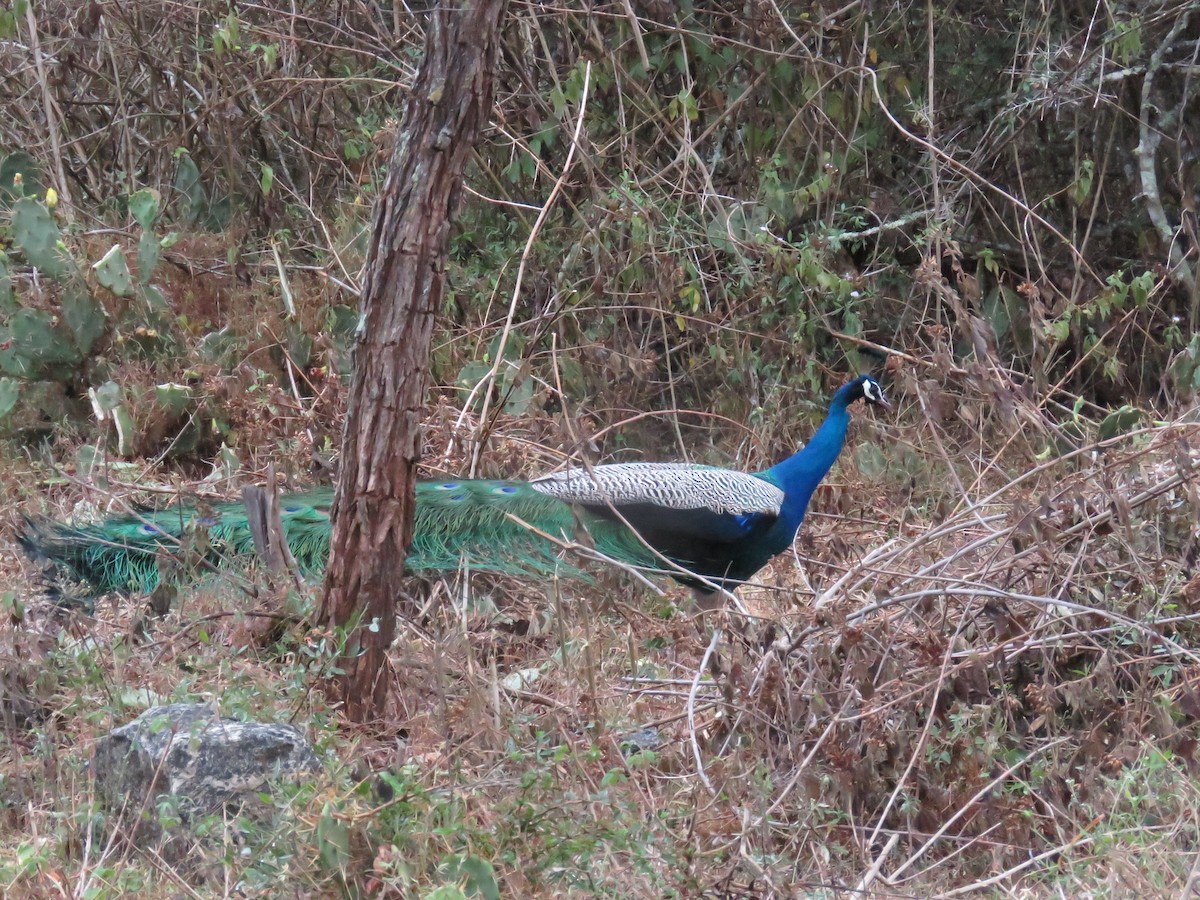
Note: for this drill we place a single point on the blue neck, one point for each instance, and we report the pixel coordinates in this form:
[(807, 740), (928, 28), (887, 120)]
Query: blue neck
[(800, 473)]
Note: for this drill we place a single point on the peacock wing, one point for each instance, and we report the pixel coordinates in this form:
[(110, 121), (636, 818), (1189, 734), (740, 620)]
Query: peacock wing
[(680, 501), (682, 486)]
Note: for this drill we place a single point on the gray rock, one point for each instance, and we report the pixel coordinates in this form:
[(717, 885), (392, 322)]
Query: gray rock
[(188, 751)]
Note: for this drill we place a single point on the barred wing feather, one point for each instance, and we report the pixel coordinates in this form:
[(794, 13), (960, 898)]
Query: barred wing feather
[(681, 486)]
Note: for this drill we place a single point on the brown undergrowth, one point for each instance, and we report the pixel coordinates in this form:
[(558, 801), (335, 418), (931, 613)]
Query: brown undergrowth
[(936, 695)]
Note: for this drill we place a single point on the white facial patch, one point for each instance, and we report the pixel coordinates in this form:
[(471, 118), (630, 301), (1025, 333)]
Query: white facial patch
[(872, 391)]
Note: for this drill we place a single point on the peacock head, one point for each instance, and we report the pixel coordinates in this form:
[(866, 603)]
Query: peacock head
[(864, 388)]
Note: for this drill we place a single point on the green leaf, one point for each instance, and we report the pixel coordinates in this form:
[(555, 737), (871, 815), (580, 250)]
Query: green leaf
[(105, 398), (520, 397), (1120, 421), (144, 206), (342, 321), (187, 184), (173, 398), (446, 892), (35, 343), (19, 163), (1141, 286), (155, 298), (86, 458), (7, 303), (148, 254), (10, 392), (84, 316), (113, 272), (471, 374), (870, 460), (299, 344), (514, 347), (123, 420), (476, 875), (1059, 330), (220, 347), (35, 232), (1082, 188), (334, 839)]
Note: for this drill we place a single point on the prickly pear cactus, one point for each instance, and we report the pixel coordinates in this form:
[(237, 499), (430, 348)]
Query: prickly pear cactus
[(20, 176), (10, 392), (35, 233), (112, 271), (143, 206), (42, 348), (108, 405), (84, 315), (7, 303), (35, 344)]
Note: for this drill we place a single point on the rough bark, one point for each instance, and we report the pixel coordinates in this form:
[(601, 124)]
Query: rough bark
[(373, 506)]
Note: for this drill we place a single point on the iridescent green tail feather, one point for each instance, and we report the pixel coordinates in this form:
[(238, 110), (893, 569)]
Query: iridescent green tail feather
[(494, 526)]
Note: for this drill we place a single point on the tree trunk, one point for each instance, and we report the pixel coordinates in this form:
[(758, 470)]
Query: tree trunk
[(373, 506)]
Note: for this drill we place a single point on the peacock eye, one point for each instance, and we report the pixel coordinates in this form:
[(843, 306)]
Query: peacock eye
[(292, 508), (147, 528), (507, 489), (449, 486), (457, 498)]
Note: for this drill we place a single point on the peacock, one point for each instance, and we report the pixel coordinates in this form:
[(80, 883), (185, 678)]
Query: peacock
[(707, 527)]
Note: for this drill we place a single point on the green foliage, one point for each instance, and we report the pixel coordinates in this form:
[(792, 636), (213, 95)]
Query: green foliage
[(84, 315), (36, 234), (34, 344), (143, 206), (1127, 40), (112, 271), (108, 405), (1135, 802), (190, 189), (19, 177), (38, 345), (10, 391), (471, 877), (220, 348), (11, 17), (334, 838), (1081, 190), (7, 304), (1120, 421), (1185, 369), (512, 383)]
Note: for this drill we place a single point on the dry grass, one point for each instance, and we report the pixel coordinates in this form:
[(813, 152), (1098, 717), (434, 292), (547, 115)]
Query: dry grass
[(995, 695), (977, 674)]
